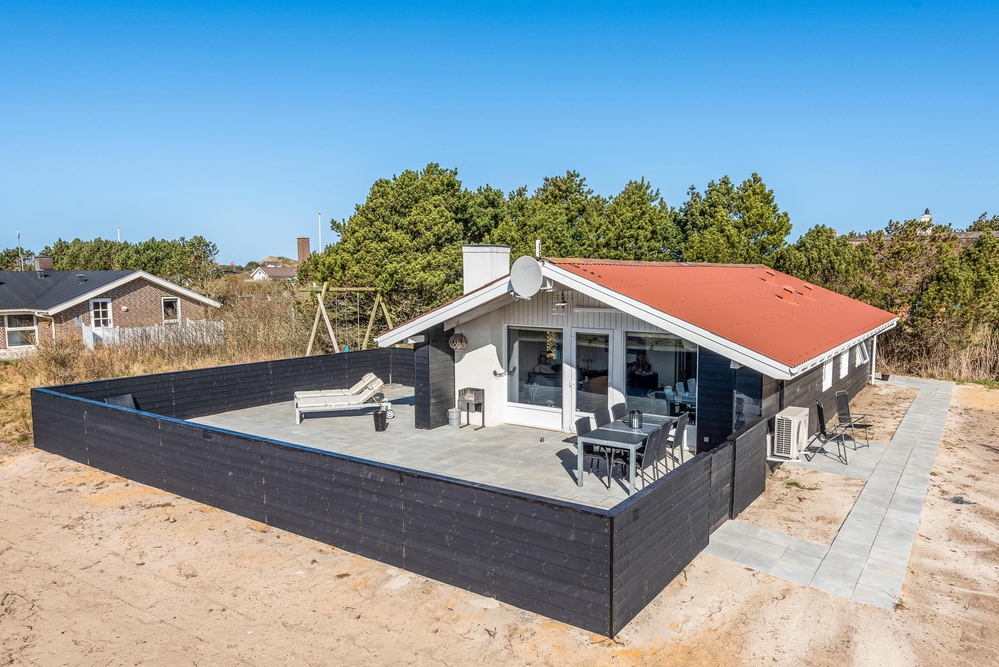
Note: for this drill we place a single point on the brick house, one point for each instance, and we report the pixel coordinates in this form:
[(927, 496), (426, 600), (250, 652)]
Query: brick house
[(56, 304)]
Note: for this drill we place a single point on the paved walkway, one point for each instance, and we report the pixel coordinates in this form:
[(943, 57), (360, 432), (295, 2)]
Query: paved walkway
[(868, 557)]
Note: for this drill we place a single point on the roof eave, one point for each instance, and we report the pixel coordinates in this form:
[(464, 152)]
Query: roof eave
[(462, 304), (832, 354), (124, 280)]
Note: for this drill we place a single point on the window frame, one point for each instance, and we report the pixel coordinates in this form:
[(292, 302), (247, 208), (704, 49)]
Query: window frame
[(110, 317), (7, 329), (507, 371), (827, 375), (861, 356), (163, 300), (844, 364)]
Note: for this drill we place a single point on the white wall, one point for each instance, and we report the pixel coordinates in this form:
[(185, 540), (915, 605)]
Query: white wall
[(475, 366)]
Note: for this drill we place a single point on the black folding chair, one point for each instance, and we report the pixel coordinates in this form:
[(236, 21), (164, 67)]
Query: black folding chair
[(676, 440), (645, 458), (848, 420), (826, 436), (591, 453)]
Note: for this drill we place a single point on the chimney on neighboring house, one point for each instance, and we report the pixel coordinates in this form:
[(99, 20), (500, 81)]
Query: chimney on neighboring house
[(482, 264), (303, 248), (43, 263)]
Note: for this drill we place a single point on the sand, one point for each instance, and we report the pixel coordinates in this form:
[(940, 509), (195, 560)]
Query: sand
[(97, 570)]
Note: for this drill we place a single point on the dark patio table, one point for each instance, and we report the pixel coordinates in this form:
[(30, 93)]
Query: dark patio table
[(619, 435)]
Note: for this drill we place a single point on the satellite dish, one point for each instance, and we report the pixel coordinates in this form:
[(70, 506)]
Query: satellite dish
[(525, 276)]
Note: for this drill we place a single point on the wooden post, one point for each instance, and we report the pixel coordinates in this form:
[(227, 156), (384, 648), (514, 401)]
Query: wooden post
[(371, 320), (388, 318), (315, 324), (329, 327)]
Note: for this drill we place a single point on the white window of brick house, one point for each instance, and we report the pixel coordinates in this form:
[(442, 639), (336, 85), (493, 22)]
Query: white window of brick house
[(827, 375), (100, 314), (22, 330), (171, 310), (844, 364)]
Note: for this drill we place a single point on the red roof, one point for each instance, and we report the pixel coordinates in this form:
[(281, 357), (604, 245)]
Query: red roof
[(743, 303)]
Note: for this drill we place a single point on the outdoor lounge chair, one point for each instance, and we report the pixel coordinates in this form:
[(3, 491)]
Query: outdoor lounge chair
[(826, 436), (356, 389), (847, 420), (369, 398)]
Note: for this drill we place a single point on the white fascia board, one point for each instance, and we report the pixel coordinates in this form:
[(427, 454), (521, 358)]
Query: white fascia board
[(835, 352), (674, 325), (165, 284), (447, 312)]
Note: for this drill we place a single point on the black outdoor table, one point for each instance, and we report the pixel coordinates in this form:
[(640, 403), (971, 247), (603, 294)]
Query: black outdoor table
[(619, 435)]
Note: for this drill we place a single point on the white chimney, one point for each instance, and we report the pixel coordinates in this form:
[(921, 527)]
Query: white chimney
[(482, 264)]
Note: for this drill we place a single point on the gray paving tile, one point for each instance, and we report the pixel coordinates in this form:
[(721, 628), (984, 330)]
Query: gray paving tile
[(874, 596), (898, 546), (858, 531), (765, 548), (722, 550), (732, 539), (755, 560), (796, 572), (740, 527), (830, 583), (859, 548), (774, 537), (809, 548)]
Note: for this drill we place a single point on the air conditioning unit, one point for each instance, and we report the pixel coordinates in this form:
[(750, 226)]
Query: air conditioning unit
[(790, 433)]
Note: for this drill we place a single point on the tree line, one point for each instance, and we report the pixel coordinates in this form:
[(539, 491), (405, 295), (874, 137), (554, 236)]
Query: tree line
[(405, 239), (189, 262)]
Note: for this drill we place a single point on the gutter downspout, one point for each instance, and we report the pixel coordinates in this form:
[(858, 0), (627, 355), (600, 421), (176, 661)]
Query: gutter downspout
[(874, 356)]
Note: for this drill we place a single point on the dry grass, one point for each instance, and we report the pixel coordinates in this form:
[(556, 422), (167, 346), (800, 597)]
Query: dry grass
[(255, 330), (976, 362)]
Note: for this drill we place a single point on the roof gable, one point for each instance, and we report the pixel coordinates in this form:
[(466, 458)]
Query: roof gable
[(58, 290)]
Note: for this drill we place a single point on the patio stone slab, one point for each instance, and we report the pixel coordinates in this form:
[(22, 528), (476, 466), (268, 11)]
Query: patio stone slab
[(868, 558)]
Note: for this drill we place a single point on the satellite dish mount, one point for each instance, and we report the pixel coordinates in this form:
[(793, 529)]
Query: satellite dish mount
[(525, 277)]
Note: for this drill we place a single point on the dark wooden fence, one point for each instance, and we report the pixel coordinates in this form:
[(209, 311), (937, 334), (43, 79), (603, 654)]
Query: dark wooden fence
[(595, 569), (205, 391), (749, 445)]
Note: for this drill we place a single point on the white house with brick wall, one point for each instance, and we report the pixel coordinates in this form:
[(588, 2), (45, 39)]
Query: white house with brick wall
[(49, 303)]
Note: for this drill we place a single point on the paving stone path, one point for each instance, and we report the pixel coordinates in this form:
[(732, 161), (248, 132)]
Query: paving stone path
[(868, 557)]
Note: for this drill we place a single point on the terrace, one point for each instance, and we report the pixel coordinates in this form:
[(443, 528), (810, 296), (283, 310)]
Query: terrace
[(514, 458)]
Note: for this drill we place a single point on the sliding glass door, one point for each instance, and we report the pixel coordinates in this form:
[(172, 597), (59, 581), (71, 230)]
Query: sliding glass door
[(592, 370)]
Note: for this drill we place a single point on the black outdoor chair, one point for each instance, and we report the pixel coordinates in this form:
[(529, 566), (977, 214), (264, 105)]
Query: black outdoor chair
[(847, 420), (826, 436), (602, 417), (591, 453), (645, 457), (676, 440), (618, 411)]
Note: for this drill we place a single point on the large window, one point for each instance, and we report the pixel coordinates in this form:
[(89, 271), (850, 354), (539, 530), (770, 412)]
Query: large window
[(534, 366), (661, 374), (22, 330), (171, 310)]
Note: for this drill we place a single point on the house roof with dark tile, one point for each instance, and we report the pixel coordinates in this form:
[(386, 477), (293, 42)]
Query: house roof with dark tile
[(48, 292)]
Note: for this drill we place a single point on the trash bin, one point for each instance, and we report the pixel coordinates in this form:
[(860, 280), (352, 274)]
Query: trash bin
[(454, 417), (381, 420)]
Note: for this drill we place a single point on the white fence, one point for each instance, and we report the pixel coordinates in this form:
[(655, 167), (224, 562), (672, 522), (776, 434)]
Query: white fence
[(193, 332)]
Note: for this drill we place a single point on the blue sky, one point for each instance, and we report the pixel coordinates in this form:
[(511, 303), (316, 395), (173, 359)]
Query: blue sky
[(241, 121)]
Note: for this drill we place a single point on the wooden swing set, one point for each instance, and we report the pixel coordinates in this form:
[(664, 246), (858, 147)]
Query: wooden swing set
[(321, 312)]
